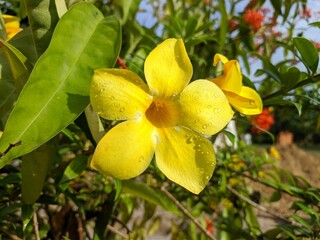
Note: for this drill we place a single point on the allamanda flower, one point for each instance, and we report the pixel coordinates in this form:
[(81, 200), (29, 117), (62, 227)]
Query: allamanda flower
[(165, 118), (12, 25), (244, 99)]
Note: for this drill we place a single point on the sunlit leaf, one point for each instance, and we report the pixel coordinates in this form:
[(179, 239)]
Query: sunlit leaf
[(57, 93)]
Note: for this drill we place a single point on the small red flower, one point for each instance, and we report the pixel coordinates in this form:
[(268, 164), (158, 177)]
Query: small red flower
[(209, 226), (264, 121), (305, 13), (253, 18)]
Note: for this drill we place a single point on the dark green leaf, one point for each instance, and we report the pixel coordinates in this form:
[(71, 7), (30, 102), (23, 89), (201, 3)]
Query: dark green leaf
[(290, 78), (19, 66), (276, 196), (277, 5), (34, 169), (27, 213), (56, 93), (42, 18), (315, 24), (308, 52), (282, 102)]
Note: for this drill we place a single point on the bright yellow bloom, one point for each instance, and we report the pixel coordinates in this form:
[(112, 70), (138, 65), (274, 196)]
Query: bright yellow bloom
[(12, 25), (243, 99), (167, 118)]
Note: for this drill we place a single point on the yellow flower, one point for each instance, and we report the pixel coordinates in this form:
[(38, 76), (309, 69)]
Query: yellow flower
[(274, 153), (244, 99), (12, 25), (167, 118)]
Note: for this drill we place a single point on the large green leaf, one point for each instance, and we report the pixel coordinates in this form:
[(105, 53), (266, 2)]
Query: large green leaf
[(308, 52), (58, 88), (43, 17)]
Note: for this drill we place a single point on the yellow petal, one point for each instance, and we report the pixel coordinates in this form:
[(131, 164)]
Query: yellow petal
[(247, 102), (12, 25), (185, 157), (126, 150), (168, 68), (219, 58), (119, 94), (204, 107), (231, 80)]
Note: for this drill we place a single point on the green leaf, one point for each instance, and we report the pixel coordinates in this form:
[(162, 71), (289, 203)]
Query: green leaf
[(308, 52), (27, 213), (43, 18), (57, 93), (290, 78), (95, 124), (282, 102), (277, 5), (145, 192), (73, 170), (20, 67), (276, 196), (252, 220), (34, 169), (23, 41), (315, 24)]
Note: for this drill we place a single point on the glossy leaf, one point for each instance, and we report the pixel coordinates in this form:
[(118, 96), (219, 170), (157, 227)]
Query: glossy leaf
[(42, 26), (308, 52), (145, 192), (56, 93), (290, 78)]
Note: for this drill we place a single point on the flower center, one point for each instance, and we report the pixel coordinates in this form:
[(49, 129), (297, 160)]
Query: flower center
[(163, 113)]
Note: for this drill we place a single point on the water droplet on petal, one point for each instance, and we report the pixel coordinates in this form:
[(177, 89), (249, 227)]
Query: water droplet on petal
[(196, 121), (252, 103), (204, 126), (122, 109), (141, 158), (209, 106), (198, 111)]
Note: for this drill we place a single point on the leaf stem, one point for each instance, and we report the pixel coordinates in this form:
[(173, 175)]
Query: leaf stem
[(187, 213)]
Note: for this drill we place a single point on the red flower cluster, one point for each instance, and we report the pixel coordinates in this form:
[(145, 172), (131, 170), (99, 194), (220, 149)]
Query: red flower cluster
[(253, 18), (264, 121)]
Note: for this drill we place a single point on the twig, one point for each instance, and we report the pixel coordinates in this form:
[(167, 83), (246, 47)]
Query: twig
[(187, 213), (9, 148), (35, 225), (122, 63), (261, 208), (114, 230), (122, 224)]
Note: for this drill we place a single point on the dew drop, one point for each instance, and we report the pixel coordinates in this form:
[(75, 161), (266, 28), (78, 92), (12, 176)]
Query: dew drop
[(112, 98), (122, 109), (204, 126), (198, 111), (252, 103), (217, 110), (141, 158), (209, 106), (196, 121)]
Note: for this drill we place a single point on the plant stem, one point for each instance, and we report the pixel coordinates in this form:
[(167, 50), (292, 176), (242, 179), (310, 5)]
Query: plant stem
[(187, 213)]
